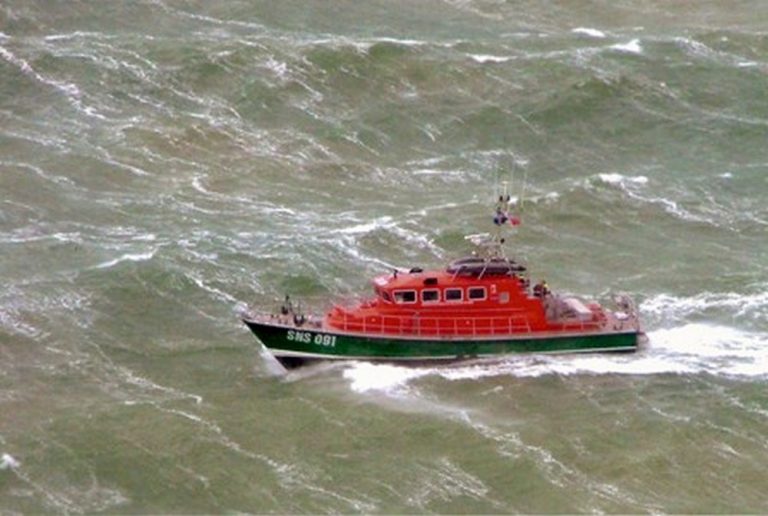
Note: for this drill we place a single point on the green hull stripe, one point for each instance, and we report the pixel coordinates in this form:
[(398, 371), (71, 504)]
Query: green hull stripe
[(284, 341), (286, 353)]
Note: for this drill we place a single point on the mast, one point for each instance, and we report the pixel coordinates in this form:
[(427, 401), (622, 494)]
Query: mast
[(506, 215), (503, 217)]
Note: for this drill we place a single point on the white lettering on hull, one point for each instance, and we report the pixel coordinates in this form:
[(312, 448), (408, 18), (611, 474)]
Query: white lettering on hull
[(307, 337)]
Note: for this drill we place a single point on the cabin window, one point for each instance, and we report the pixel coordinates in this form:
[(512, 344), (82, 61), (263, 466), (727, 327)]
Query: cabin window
[(477, 293), (453, 294), (405, 296), (430, 296), (385, 296)]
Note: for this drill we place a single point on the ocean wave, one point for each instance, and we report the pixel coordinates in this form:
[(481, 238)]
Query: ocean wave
[(748, 305), (642, 190)]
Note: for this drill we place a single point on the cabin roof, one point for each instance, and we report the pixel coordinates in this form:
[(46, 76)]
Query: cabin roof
[(434, 279), (471, 270)]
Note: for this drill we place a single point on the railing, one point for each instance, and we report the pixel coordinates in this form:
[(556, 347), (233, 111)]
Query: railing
[(464, 326)]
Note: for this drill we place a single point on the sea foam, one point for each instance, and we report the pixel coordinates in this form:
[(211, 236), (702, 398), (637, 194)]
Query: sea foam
[(8, 462), (619, 179), (390, 379), (631, 47), (482, 59), (593, 33)]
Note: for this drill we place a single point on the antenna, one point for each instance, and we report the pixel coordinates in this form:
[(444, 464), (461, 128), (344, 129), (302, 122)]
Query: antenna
[(522, 190)]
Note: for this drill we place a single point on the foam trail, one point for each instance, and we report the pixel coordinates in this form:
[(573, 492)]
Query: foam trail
[(706, 341)]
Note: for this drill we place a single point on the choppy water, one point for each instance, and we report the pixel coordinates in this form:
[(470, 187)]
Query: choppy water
[(162, 163)]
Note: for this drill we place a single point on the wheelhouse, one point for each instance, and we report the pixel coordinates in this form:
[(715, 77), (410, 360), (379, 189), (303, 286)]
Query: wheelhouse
[(433, 294)]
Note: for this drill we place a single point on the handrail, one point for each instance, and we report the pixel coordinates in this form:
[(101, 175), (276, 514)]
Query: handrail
[(457, 326)]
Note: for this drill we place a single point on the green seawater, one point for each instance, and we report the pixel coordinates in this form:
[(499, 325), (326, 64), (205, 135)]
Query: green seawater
[(164, 164)]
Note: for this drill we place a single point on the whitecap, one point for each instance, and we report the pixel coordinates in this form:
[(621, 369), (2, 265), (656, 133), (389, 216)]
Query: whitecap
[(482, 58), (8, 462), (632, 47), (279, 68), (594, 33), (619, 179), (138, 257)]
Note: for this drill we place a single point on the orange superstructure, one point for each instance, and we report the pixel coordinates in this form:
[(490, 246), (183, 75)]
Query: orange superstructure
[(473, 296)]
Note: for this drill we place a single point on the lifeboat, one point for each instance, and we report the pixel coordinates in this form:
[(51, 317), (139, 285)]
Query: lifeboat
[(477, 307)]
